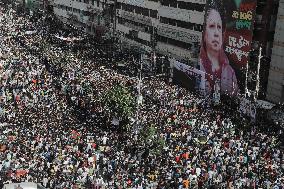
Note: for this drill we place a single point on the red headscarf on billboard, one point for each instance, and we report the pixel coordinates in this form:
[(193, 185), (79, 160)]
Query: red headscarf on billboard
[(212, 51), (227, 35)]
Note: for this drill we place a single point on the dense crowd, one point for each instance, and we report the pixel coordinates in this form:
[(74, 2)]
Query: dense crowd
[(53, 126)]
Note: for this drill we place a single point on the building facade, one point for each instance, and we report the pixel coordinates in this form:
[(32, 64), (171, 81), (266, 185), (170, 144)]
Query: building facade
[(168, 27), (275, 87), (94, 16), (174, 28)]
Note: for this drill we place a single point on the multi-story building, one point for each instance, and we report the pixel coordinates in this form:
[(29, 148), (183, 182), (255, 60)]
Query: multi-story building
[(169, 27), (94, 16), (174, 28), (275, 87)]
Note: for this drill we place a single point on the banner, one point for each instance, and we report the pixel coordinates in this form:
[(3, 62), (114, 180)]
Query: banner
[(226, 42), (247, 108), (189, 75), (68, 38)]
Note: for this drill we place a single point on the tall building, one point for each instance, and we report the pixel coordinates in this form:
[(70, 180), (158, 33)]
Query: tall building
[(174, 28), (91, 15), (169, 27), (275, 87)]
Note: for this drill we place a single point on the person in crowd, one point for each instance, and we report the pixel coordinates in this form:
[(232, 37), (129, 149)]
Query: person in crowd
[(54, 130)]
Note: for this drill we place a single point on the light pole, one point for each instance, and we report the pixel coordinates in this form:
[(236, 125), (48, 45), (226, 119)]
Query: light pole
[(257, 73), (140, 97)]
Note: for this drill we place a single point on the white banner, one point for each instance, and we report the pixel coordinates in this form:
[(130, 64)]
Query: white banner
[(68, 38), (30, 32)]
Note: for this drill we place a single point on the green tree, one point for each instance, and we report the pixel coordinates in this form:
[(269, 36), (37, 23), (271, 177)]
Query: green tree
[(149, 136), (118, 102)]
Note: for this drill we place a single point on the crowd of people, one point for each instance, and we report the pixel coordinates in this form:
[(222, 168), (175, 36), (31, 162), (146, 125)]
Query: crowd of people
[(53, 126)]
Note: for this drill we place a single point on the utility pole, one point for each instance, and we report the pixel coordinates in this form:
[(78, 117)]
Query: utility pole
[(246, 81), (153, 40), (257, 74), (114, 18), (140, 97)]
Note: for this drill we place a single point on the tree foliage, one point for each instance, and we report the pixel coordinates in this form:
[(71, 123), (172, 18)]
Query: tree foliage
[(119, 102), (149, 136)]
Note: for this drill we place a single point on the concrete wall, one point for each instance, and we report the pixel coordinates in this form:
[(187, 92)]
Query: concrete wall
[(276, 71)]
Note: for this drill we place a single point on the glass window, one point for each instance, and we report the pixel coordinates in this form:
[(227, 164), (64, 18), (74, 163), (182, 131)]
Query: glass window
[(130, 8), (118, 5), (162, 39), (173, 3), (199, 7), (145, 12), (154, 13), (172, 22), (165, 2), (164, 20), (138, 10)]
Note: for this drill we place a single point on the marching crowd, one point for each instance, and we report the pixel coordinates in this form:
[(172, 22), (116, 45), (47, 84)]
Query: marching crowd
[(52, 125)]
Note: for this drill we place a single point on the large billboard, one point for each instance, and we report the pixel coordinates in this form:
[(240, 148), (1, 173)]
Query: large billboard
[(225, 44)]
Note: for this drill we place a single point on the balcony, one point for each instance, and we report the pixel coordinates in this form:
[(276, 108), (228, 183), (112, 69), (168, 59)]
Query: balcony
[(180, 34), (176, 52), (135, 17)]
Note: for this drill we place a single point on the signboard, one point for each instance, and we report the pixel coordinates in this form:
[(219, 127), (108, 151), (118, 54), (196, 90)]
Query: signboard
[(189, 73), (226, 42)]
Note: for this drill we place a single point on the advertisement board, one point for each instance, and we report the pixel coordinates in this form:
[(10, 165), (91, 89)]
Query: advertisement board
[(226, 42), (188, 76)]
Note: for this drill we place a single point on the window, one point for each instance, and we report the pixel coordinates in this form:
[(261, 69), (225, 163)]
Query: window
[(86, 1), (199, 7), (282, 95), (172, 22), (138, 10), (164, 20), (173, 3), (179, 43), (86, 13), (198, 27), (165, 2), (120, 20), (129, 8), (145, 12), (191, 6), (186, 25), (124, 6), (154, 13), (162, 39), (118, 5)]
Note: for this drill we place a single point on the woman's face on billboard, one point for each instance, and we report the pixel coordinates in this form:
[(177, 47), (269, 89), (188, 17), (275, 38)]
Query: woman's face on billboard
[(213, 34)]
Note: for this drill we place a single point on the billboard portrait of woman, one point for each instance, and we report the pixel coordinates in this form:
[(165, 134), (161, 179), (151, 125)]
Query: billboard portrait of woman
[(213, 60)]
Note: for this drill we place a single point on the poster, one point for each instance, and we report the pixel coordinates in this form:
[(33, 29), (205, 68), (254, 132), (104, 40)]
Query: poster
[(189, 75), (226, 42)]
